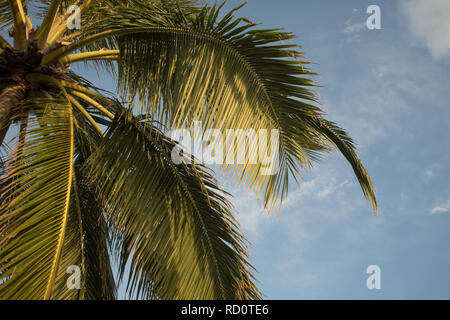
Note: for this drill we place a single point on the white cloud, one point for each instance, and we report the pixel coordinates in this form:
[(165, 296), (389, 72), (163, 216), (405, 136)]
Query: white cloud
[(357, 27), (318, 194), (428, 174), (373, 102), (322, 191), (429, 21), (353, 30), (431, 172), (331, 188), (248, 211), (442, 208), (319, 187)]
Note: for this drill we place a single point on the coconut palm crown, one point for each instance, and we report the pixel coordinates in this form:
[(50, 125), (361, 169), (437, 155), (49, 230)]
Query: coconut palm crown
[(87, 178)]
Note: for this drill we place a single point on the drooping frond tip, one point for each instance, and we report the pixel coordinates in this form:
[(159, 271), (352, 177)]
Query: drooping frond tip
[(339, 138)]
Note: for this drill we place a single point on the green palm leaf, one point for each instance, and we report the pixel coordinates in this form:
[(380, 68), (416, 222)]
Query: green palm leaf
[(88, 180), (98, 278), (193, 66), (35, 204), (171, 221)]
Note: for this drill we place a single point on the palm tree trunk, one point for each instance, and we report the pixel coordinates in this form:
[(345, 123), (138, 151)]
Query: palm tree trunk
[(10, 97)]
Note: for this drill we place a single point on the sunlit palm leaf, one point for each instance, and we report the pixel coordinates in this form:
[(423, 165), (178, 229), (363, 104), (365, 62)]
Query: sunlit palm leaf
[(196, 66), (35, 203), (72, 196), (172, 221), (72, 254)]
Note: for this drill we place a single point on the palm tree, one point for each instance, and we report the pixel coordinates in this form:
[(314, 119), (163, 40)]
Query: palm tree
[(89, 177)]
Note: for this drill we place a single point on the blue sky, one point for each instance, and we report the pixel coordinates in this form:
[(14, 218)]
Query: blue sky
[(390, 89)]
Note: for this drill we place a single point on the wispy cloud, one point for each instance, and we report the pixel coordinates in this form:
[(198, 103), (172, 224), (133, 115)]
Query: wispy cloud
[(248, 210), (356, 27), (371, 104), (431, 172), (428, 174), (441, 208), (352, 30), (429, 21)]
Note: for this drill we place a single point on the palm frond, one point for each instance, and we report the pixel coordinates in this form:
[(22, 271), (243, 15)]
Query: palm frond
[(338, 137), (99, 282), (92, 178), (223, 71), (171, 222), (6, 15), (35, 203), (72, 255)]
